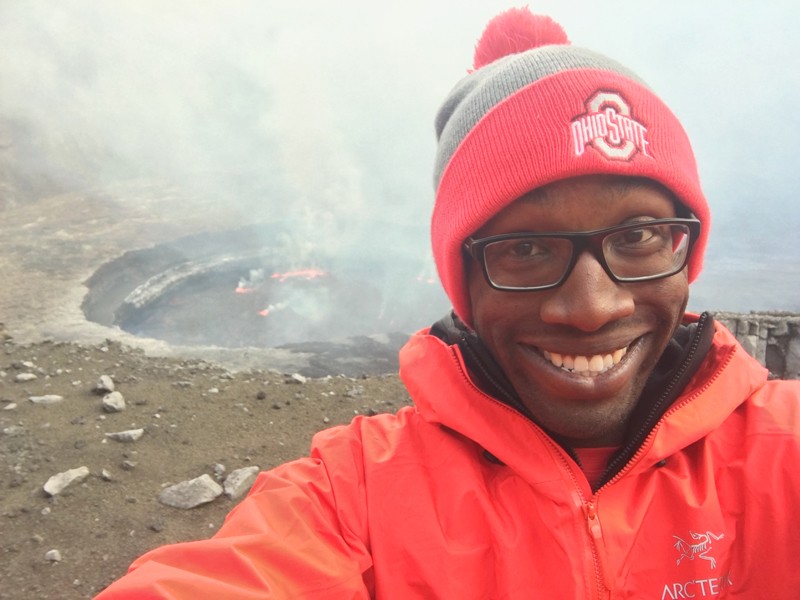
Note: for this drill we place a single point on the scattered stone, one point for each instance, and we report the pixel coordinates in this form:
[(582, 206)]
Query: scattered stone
[(262, 395), (213, 391), (128, 465), (296, 378), (37, 538), (219, 470), (182, 384), (23, 377), (239, 482), (354, 391), (276, 406), (46, 399), (105, 475), (10, 406), (13, 430), (52, 555), (157, 526), (191, 493), (131, 435), (57, 483), (326, 420), (113, 402), (104, 385)]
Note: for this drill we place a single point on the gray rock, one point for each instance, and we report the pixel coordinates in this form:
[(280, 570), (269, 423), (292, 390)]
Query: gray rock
[(13, 430), (23, 377), (130, 435), (52, 555), (113, 402), (57, 483), (793, 359), (47, 399), (104, 385), (781, 328), (296, 378), (239, 482), (191, 493)]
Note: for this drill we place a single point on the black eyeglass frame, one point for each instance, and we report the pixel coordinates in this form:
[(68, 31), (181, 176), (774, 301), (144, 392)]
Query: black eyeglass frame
[(581, 241)]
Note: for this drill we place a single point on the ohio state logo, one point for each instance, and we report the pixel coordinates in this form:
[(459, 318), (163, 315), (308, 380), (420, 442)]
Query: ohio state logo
[(608, 126)]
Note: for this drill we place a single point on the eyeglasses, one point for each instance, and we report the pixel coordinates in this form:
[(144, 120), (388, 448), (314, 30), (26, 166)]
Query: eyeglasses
[(631, 252)]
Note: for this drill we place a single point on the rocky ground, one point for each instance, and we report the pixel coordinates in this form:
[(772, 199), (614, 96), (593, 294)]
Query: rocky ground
[(197, 419)]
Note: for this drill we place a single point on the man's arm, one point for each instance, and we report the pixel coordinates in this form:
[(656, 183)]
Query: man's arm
[(300, 533)]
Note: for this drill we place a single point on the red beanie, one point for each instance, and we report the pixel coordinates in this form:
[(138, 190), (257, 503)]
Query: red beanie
[(537, 110)]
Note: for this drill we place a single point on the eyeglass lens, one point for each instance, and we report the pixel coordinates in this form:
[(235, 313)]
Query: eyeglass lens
[(634, 253)]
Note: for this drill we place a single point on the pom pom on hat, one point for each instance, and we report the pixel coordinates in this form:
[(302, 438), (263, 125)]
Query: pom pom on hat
[(513, 31)]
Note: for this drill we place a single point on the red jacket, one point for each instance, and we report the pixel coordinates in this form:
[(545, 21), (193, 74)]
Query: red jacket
[(411, 506)]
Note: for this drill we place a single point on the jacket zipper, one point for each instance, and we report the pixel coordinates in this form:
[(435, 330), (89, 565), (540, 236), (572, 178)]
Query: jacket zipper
[(603, 585), (637, 441), (640, 450)]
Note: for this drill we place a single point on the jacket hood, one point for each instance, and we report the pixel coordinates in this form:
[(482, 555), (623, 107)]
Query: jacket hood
[(443, 391)]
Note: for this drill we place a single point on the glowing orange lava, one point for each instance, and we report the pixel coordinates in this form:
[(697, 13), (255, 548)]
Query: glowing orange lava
[(299, 274)]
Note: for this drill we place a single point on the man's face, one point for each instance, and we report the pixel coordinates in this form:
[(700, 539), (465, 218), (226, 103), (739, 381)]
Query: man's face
[(588, 316)]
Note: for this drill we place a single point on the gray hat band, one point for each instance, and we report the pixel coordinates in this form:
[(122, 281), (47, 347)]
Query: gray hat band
[(476, 94)]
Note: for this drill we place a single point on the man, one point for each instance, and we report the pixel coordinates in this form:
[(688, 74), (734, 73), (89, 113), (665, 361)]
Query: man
[(574, 434)]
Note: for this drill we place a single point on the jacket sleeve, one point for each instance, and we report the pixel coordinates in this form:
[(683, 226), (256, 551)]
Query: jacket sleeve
[(300, 533)]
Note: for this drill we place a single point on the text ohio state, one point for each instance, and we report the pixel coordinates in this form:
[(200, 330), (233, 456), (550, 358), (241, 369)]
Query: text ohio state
[(614, 128)]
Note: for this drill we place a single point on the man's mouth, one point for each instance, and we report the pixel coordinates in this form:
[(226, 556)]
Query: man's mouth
[(586, 365)]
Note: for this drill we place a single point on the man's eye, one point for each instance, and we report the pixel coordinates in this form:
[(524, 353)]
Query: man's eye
[(524, 249), (638, 236)]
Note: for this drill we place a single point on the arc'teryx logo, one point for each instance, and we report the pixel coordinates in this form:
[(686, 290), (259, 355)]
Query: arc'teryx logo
[(698, 548), (609, 127)]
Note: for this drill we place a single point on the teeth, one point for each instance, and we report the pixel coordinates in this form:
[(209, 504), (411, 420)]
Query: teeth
[(588, 366)]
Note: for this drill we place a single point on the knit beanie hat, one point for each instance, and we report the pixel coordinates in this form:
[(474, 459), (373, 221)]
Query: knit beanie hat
[(535, 110)]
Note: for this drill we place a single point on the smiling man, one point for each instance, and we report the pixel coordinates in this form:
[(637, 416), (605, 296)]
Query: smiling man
[(576, 345), (574, 433)]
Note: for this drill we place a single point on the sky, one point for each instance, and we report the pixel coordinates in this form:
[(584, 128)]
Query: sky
[(322, 112)]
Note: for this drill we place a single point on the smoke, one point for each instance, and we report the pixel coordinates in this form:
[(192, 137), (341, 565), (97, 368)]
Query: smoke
[(320, 114)]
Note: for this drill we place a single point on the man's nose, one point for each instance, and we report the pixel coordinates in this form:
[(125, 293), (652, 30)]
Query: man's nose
[(588, 299)]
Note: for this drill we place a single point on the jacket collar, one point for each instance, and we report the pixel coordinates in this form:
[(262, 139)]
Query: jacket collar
[(716, 378)]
